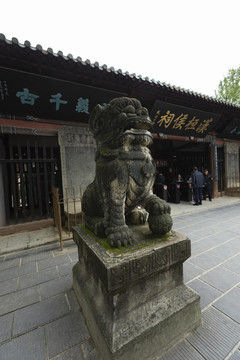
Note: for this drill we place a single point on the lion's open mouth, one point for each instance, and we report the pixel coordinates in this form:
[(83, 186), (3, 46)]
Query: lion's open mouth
[(138, 128), (137, 132), (135, 137), (139, 123)]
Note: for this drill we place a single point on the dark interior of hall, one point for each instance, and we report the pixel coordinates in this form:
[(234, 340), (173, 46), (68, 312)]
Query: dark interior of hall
[(179, 157)]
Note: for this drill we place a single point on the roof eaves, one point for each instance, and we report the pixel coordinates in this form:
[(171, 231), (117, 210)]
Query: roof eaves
[(104, 67)]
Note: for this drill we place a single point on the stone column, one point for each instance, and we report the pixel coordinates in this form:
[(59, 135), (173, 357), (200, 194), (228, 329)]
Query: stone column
[(77, 149), (231, 152), (215, 169)]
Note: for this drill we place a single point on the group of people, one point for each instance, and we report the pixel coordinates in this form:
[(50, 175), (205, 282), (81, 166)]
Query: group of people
[(201, 184)]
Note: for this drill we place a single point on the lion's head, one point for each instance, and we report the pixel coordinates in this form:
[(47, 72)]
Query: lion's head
[(120, 118)]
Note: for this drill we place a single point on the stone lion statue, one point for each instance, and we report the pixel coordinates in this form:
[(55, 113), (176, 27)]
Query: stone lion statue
[(125, 173)]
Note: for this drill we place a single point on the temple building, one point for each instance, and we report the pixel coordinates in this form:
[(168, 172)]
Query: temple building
[(45, 102)]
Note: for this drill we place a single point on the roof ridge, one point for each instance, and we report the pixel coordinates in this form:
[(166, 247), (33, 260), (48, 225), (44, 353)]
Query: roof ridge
[(104, 67)]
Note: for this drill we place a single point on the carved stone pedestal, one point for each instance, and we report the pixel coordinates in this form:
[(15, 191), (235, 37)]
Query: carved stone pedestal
[(134, 300)]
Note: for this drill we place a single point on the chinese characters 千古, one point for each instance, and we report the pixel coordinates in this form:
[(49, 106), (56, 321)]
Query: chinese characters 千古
[(26, 97)]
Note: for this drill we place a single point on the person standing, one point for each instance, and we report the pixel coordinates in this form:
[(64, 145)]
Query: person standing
[(197, 184), (160, 178), (179, 178), (159, 183), (208, 185)]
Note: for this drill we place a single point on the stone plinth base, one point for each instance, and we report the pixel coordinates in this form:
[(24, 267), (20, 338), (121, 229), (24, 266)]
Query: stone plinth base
[(134, 300)]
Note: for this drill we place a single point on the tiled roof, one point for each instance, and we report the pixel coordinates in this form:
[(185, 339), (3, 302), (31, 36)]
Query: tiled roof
[(95, 65)]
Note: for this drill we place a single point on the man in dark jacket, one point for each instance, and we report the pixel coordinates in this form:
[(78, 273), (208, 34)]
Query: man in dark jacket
[(197, 184), (159, 183), (208, 185)]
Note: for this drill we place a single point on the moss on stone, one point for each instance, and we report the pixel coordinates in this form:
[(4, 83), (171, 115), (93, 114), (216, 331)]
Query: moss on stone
[(128, 248)]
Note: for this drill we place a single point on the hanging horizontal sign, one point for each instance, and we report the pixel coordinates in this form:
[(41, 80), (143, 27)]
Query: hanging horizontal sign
[(232, 131), (161, 163), (178, 120), (25, 94)]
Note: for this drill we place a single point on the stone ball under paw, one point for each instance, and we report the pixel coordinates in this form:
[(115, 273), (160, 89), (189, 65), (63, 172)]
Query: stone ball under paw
[(160, 224)]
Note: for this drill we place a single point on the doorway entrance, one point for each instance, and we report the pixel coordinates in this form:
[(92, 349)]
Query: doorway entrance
[(180, 157), (30, 167)]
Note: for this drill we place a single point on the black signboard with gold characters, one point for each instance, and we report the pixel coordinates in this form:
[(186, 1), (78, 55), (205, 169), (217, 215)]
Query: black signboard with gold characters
[(25, 94), (178, 120)]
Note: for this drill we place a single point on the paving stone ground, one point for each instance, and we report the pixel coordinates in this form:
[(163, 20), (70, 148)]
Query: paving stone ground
[(40, 318)]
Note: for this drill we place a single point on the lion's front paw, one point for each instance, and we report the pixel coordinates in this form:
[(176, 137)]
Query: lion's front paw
[(160, 224), (119, 236), (137, 216), (156, 206)]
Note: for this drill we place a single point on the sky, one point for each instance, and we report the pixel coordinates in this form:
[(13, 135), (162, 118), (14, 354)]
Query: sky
[(185, 43)]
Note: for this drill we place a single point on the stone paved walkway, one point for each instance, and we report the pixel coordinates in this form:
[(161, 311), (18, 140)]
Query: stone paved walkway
[(40, 318), (213, 271)]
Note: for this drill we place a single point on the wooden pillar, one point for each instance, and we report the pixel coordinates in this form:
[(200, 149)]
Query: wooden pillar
[(214, 167)]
